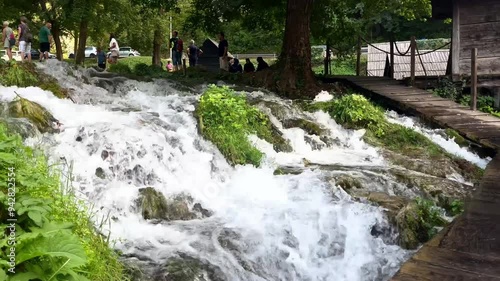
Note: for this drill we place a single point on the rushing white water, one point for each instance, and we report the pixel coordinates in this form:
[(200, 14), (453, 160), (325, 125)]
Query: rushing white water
[(435, 136), (289, 227)]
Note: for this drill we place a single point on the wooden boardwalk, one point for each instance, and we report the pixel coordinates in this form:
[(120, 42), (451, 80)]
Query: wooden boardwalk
[(469, 248)]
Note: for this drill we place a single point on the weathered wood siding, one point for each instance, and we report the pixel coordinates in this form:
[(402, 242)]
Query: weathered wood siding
[(479, 28)]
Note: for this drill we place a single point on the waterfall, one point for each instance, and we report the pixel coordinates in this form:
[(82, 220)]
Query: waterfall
[(122, 136)]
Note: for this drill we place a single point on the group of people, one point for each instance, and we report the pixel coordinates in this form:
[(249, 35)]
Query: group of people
[(226, 63), (25, 39)]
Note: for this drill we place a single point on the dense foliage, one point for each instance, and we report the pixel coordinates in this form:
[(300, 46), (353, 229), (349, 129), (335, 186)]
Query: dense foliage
[(227, 119), (449, 90), (54, 237)]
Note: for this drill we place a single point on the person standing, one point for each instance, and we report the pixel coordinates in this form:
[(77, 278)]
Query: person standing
[(176, 56), (25, 38), (101, 58), (223, 50), (8, 39), (114, 49), (193, 53), (45, 39)]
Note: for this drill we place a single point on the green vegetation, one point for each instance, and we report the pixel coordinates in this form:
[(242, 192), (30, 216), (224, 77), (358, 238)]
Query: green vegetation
[(452, 134), (417, 223), (55, 239), (450, 90), (342, 65), (226, 119), (25, 75), (356, 112)]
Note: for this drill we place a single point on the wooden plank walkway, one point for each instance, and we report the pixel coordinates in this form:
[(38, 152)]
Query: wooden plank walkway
[(469, 248)]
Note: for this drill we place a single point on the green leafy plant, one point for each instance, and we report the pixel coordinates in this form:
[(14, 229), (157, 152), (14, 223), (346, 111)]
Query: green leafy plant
[(55, 239), (357, 112), (428, 218), (227, 119)]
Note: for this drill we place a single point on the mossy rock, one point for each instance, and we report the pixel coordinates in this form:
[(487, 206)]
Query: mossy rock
[(154, 205), (280, 144), (348, 182), (21, 126), (55, 88), (309, 127), (452, 134), (39, 116), (392, 204), (416, 223), (183, 270)]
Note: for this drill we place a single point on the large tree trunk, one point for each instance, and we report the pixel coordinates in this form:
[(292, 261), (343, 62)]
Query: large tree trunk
[(296, 78), (157, 47), (56, 34), (82, 41)]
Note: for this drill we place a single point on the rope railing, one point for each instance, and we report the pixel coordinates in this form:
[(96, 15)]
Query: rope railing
[(405, 54)]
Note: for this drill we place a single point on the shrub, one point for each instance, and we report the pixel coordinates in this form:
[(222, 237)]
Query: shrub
[(120, 68), (227, 119), (356, 112), (142, 69), (55, 239)]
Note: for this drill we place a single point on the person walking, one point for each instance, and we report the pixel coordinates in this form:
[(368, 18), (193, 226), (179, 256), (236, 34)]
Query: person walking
[(8, 39), (193, 53), (223, 50), (45, 39), (114, 48), (25, 39)]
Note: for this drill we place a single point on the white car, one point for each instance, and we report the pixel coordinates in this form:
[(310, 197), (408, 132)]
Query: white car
[(126, 52), (16, 55), (90, 52)]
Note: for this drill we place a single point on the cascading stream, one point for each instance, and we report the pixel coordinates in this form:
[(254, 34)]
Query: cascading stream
[(262, 226)]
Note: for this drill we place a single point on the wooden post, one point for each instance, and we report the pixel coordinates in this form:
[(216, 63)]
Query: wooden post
[(358, 57), (326, 59), (455, 42), (413, 45), (473, 77), (392, 59)]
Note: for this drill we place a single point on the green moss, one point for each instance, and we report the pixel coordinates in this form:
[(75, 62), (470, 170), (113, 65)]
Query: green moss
[(417, 223), (35, 180), (183, 270), (309, 127), (39, 116), (452, 134), (55, 88), (226, 119)]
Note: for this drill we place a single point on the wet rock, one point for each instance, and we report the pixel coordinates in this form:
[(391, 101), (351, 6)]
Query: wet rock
[(99, 172), (309, 127), (38, 115), (348, 182), (277, 110), (284, 170), (185, 268), (137, 174), (416, 225), (153, 204), (392, 204), (280, 144), (315, 145), (21, 126), (79, 138), (455, 136), (202, 212), (104, 154)]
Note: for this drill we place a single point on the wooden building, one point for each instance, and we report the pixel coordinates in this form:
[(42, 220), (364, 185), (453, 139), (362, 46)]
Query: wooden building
[(476, 24), (210, 57)]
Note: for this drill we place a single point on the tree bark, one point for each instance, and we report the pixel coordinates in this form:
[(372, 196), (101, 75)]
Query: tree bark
[(56, 34), (75, 46), (82, 41), (296, 77), (157, 47)]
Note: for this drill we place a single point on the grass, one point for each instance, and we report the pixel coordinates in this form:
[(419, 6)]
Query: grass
[(53, 215)]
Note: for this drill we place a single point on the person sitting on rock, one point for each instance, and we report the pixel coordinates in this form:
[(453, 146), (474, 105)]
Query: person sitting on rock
[(249, 67), (261, 64), (235, 66)]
